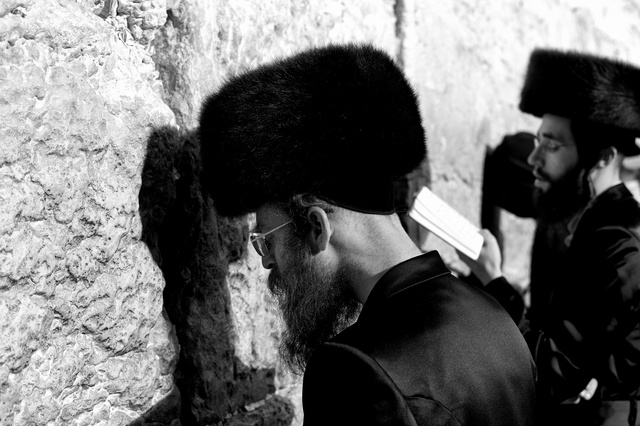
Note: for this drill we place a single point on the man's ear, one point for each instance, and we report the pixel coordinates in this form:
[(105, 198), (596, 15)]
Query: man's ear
[(607, 155), (321, 229)]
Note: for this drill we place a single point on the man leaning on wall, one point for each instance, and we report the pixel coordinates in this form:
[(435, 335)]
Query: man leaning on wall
[(589, 334), (384, 333)]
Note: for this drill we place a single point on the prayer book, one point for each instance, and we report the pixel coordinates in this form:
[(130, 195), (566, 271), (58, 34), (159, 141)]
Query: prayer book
[(445, 222)]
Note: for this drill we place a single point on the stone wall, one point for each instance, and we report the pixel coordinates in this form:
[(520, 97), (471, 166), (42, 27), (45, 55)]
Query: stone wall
[(83, 337), (124, 299)]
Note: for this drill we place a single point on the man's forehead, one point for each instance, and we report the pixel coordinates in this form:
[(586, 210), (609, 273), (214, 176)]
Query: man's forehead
[(556, 127)]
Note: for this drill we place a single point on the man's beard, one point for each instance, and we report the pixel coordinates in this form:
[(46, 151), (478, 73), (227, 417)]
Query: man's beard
[(565, 196), (315, 305)]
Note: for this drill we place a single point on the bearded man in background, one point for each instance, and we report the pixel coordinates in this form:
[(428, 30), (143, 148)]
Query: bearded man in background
[(585, 337)]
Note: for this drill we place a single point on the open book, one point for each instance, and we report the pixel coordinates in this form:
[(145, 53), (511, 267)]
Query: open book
[(437, 216)]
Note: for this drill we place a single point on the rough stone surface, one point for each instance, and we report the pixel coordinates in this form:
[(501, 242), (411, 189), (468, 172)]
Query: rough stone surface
[(273, 411), (133, 20), (82, 336)]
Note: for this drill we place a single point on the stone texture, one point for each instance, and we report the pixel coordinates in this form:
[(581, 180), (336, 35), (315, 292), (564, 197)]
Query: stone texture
[(133, 20), (273, 411), (82, 336)]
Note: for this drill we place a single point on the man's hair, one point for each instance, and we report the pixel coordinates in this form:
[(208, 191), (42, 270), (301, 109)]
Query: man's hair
[(298, 206), (592, 138)]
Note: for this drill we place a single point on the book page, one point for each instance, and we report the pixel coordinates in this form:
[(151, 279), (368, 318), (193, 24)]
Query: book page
[(444, 221)]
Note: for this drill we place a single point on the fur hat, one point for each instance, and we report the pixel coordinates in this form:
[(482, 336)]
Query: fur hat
[(339, 122), (586, 87)]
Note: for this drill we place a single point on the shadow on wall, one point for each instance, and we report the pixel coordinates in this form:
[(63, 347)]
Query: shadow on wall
[(194, 247)]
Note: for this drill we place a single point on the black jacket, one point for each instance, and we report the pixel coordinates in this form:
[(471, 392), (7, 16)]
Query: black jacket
[(427, 349), (592, 326)]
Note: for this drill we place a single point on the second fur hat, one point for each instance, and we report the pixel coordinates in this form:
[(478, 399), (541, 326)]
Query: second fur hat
[(583, 86)]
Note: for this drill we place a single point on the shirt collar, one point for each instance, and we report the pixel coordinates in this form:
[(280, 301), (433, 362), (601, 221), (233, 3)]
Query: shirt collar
[(403, 276), (614, 193)]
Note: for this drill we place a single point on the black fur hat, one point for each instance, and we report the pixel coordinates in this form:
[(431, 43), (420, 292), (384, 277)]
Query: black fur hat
[(339, 122), (584, 87)]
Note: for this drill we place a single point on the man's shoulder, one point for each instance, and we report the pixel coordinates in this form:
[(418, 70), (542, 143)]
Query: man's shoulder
[(617, 206), (610, 218), (415, 389), (340, 378), (429, 320)]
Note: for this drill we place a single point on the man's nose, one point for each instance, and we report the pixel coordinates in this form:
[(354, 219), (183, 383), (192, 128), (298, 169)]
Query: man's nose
[(534, 158), (268, 262)]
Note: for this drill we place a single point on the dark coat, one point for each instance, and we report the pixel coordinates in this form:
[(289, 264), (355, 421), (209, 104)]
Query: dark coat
[(427, 349), (592, 326)]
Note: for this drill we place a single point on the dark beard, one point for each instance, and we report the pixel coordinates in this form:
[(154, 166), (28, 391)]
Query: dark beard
[(315, 305), (564, 198)]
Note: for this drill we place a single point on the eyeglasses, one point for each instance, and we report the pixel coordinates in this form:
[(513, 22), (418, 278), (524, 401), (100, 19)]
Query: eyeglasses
[(259, 241), (547, 144)]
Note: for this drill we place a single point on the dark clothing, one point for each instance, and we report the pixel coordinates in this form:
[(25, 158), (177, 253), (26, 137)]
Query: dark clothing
[(592, 327), (549, 265), (427, 349)]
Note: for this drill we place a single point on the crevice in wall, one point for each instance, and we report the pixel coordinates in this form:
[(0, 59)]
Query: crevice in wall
[(398, 10)]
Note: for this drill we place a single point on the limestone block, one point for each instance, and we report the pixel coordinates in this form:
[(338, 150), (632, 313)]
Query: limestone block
[(143, 17), (82, 335), (254, 314), (134, 20)]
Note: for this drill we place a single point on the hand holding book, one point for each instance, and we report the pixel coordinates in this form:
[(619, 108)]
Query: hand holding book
[(488, 266)]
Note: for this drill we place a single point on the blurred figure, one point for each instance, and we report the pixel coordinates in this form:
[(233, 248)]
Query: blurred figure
[(586, 343), (384, 334)]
